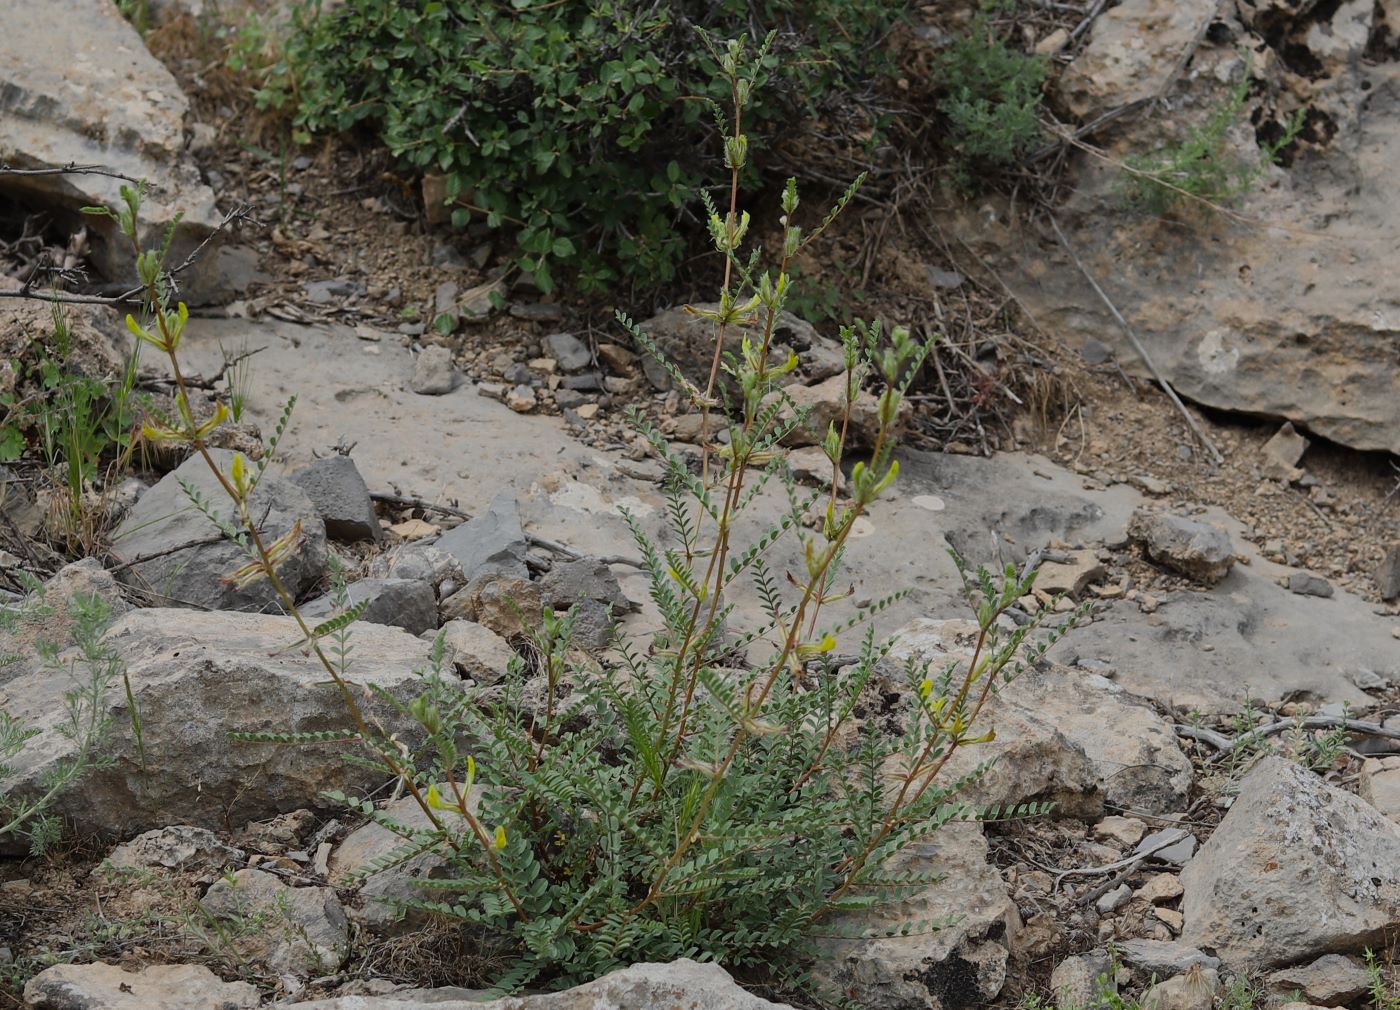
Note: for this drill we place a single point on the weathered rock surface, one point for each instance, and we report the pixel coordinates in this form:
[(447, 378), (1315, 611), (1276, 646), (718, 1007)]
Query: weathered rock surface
[(822, 404), (102, 986), (340, 495), (489, 543), (433, 372), (1380, 785), (589, 585), (400, 603), (51, 620), (1238, 318), (196, 677), (1331, 980), (477, 652), (354, 856), (1297, 869), (1073, 738), (178, 847), (299, 932), (961, 964), (1196, 549), (680, 985), (1163, 958), (189, 559), (1196, 990), (1129, 53), (688, 342), (98, 97)]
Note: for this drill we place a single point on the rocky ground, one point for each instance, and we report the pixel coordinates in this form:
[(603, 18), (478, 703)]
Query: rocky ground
[(1217, 739)]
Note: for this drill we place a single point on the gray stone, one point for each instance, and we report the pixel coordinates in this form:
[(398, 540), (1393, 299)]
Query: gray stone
[(1112, 901), (491, 542), (401, 603), (426, 562), (298, 931), (103, 986), (587, 382), (591, 586), (1197, 550), (1331, 980), (194, 574), (1064, 736), (198, 677), (433, 374), (1296, 869), (179, 847), (353, 859), (341, 496), (1075, 982), (823, 404), (329, 291), (572, 353), (478, 653), (1387, 574), (1178, 852), (960, 965), (680, 985), (1195, 990), (1071, 576), (1162, 958), (1281, 454), (93, 94), (1117, 65), (1308, 584), (51, 614)]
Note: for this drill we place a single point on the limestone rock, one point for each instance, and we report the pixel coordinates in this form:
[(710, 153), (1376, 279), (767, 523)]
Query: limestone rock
[(1281, 454), (823, 404), (1197, 550), (433, 374), (196, 677), (93, 94), (1296, 869), (1131, 53), (1197, 989), (1380, 785), (1388, 574), (52, 618), (340, 495), (178, 847), (400, 603), (199, 558), (491, 542), (680, 985), (509, 605), (961, 964), (352, 858), (1075, 980), (1331, 980), (102, 986), (1162, 958), (299, 931), (1070, 577)]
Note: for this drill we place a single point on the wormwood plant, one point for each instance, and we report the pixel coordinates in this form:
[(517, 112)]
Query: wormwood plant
[(716, 792), (93, 668), (1202, 169)]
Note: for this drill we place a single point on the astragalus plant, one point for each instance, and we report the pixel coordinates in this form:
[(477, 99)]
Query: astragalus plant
[(713, 791)]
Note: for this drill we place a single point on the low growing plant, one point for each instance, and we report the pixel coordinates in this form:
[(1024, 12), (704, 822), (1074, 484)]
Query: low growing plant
[(716, 792), (991, 100), (94, 668), (1202, 169)]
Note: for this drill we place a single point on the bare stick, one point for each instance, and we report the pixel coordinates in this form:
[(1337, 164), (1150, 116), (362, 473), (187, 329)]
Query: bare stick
[(72, 168), (1137, 345), (1222, 742)]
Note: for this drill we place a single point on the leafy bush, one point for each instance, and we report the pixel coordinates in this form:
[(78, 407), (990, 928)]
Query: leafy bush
[(720, 792), (991, 100), (1202, 169), (574, 125)]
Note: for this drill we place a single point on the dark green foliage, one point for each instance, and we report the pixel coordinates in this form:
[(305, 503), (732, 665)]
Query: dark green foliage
[(581, 127), (991, 101)]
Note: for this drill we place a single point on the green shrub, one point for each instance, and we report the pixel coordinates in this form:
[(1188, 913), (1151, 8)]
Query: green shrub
[(575, 125), (722, 792), (1202, 170), (991, 101)]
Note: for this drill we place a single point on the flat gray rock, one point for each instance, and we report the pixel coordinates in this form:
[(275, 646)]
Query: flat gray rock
[(189, 560), (340, 495), (409, 604)]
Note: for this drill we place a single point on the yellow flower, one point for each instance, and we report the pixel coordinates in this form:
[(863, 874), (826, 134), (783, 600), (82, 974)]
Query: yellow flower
[(500, 836)]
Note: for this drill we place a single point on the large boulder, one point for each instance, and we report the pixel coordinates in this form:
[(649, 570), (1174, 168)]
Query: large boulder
[(88, 94), (1282, 308), (1297, 869), (174, 551), (196, 678), (102, 986)]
